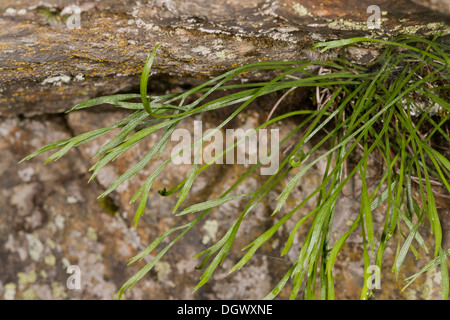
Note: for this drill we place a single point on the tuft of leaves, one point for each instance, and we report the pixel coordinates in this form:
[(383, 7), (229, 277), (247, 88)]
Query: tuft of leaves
[(370, 109)]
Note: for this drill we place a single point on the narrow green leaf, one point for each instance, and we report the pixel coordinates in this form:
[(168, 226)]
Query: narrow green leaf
[(211, 203), (190, 180), (404, 250), (144, 80), (444, 275), (112, 99)]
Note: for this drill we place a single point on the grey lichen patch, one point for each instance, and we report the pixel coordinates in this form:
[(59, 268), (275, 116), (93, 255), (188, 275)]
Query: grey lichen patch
[(425, 29), (432, 280), (342, 24), (275, 244), (65, 262), (26, 278), (50, 243), (408, 29), (224, 55), (163, 271), (57, 80), (91, 234), (58, 290), (301, 10), (43, 274), (216, 49), (437, 25), (50, 260), (283, 35), (35, 247), (59, 222), (386, 31), (26, 174), (214, 31), (10, 291), (71, 200), (202, 50), (429, 29), (12, 12), (211, 227), (79, 77), (218, 44), (29, 294)]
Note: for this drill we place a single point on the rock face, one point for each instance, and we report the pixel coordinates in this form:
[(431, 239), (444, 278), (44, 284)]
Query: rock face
[(47, 64), (50, 218)]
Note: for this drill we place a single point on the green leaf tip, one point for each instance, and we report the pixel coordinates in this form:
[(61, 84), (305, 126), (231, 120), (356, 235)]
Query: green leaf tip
[(144, 80)]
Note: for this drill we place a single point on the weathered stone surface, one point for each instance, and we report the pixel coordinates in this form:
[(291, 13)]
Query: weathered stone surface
[(45, 67)]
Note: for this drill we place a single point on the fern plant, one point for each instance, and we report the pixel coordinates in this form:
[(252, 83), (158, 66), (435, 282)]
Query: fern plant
[(370, 108)]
